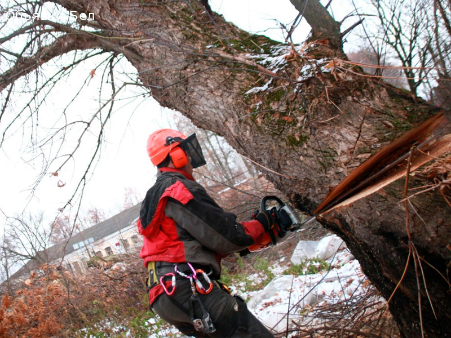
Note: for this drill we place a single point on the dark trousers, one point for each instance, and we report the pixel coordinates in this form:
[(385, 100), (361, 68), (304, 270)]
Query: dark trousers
[(230, 315)]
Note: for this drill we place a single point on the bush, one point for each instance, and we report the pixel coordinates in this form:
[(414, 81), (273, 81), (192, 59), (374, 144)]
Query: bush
[(100, 303)]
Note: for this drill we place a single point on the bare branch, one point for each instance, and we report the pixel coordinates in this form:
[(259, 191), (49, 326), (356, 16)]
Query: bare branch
[(352, 27), (62, 45)]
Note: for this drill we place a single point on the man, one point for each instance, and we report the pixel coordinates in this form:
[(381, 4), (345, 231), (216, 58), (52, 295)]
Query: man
[(185, 236)]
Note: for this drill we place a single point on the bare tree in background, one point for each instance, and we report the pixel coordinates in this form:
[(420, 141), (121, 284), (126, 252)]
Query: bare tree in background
[(64, 227), (131, 198), (26, 236), (93, 216), (418, 35), (440, 49), (404, 28), (8, 260), (367, 55)]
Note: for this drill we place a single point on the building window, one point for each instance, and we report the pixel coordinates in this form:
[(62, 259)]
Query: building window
[(82, 244), (99, 253), (108, 251), (126, 244)]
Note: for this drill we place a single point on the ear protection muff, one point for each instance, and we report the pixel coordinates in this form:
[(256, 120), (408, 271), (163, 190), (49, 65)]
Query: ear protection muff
[(178, 157)]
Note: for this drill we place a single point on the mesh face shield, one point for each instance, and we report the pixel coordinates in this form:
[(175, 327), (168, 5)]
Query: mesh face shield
[(192, 147)]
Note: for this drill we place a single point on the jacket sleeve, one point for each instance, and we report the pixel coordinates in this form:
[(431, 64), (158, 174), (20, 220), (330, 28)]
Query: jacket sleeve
[(213, 227)]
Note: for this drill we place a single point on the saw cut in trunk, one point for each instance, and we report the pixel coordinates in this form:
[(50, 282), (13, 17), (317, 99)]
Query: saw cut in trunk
[(380, 164)]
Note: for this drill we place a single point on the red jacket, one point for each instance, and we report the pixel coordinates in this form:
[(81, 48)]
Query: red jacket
[(180, 222)]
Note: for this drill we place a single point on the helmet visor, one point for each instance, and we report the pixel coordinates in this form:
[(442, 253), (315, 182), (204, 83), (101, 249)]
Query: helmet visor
[(192, 147)]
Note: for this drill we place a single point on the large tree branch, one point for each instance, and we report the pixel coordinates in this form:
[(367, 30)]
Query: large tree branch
[(445, 18), (20, 31), (74, 39), (322, 23), (60, 46)]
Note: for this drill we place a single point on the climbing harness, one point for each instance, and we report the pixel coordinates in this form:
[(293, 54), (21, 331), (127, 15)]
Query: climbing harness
[(194, 279), (200, 283), (204, 323)]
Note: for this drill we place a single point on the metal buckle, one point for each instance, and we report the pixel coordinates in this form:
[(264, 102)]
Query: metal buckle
[(203, 324)]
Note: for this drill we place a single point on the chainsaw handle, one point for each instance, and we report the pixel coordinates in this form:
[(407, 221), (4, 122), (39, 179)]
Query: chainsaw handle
[(270, 198)]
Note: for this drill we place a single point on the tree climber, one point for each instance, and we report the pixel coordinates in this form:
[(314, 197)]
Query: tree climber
[(185, 235)]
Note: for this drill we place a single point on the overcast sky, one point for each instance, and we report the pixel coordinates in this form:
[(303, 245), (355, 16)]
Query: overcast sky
[(124, 163)]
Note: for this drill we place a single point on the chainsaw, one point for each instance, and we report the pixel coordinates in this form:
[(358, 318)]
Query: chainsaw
[(283, 215)]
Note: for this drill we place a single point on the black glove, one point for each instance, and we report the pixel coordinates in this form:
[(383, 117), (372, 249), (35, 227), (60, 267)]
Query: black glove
[(269, 223)]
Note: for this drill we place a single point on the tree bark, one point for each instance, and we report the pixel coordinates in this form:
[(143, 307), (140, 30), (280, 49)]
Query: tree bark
[(311, 121)]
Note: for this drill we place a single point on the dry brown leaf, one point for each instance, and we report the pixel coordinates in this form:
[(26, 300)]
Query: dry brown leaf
[(287, 118)]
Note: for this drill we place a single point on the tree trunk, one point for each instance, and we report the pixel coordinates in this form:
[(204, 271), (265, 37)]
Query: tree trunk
[(311, 121), (322, 23)]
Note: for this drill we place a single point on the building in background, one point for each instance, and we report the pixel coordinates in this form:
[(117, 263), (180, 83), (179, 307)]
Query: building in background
[(116, 235)]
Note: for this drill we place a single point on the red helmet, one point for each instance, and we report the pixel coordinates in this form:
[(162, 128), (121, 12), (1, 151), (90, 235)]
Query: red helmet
[(161, 142)]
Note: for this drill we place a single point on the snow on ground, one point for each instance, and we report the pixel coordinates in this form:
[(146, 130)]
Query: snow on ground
[(275, 61), (259, 89), (289, 292)]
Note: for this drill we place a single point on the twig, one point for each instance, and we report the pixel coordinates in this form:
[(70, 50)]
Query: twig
[(446, 199), (244, 61), (436, 270), (289, 300), (438, 185), (407, 226), (312, 331), (352, 27), (418, 289), (406, 187), (412, 249), (424, 282), (274, 172)]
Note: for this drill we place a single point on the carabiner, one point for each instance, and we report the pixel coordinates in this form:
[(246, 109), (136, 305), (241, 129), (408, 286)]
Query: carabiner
[(200, 288), (185, 275), (169, 293)]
